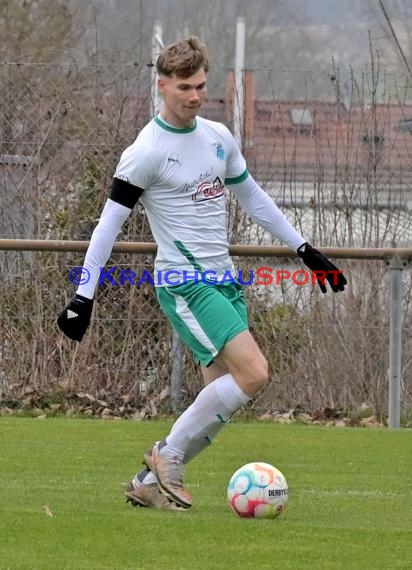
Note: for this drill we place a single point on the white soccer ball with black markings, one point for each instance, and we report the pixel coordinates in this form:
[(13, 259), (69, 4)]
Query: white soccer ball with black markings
[(258, 490)]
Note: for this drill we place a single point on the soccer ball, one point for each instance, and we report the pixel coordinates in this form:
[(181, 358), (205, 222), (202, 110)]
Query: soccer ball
[(257, 490)]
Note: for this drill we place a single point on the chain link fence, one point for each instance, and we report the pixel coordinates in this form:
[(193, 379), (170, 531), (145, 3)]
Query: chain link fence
[(337, 161)]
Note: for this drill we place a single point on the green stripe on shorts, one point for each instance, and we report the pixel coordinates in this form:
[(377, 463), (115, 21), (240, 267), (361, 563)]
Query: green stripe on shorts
[(205, 316)]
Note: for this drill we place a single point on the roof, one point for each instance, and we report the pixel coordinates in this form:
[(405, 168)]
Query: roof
[(307, 139)]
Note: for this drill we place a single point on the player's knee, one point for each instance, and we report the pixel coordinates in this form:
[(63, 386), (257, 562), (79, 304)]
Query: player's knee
[(262, 373), (258, 376)]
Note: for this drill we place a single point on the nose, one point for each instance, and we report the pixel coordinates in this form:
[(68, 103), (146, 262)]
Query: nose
[(194, 96)]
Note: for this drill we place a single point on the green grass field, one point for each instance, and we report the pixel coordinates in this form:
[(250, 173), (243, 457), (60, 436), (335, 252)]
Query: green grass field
[(350, 503)]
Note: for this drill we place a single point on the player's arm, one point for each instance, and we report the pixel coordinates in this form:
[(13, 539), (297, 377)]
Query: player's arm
[(75, 317), (263, 210)]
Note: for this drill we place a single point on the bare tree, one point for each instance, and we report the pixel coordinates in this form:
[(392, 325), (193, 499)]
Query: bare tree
[(393, 21), (38, 29)]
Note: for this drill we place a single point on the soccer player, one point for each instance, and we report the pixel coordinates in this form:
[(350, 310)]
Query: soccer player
[(179, 168)]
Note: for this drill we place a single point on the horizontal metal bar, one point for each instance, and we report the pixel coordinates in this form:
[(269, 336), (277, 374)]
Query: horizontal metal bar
[(236, 250)]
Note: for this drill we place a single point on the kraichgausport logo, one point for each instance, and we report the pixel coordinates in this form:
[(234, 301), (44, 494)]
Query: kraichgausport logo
[(208, 191), (261, 276)]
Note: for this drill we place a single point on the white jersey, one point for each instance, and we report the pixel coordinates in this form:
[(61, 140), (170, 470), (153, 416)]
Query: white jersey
[(183, 173)]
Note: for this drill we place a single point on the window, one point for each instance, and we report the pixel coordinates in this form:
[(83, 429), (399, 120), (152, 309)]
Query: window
[(301, 117)]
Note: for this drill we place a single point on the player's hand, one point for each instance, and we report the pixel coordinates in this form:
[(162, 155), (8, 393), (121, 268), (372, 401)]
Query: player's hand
[(323, 269), (75, 317)]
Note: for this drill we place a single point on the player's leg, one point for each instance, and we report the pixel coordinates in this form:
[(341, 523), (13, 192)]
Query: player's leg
[(214, 406), (204, 409), (243, 359), (212, 372), (204, 438), (146, 477), (214, 321)]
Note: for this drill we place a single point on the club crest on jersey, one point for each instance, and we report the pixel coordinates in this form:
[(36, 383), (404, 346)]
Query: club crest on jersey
[(220, 152), (208, 191)]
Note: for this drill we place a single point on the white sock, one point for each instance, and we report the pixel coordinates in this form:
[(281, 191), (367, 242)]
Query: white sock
[(212, 409), (144, 476)]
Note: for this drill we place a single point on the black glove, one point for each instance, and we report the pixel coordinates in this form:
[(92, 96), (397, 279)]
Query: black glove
[(322, 268), (75, 317)]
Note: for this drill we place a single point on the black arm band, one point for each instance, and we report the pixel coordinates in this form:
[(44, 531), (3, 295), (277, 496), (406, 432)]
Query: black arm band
[(125, 193)]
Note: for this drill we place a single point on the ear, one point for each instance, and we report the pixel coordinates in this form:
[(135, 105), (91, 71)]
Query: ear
[(161, 85)]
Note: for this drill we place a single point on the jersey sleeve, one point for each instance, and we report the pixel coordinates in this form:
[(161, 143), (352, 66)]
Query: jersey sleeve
[(136, 167), (262, 209), (236, 170)]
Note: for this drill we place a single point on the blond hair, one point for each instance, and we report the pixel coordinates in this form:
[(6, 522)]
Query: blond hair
[(183, 58)]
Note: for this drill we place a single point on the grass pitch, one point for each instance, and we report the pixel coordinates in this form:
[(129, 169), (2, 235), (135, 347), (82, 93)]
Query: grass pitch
[(62, 504)]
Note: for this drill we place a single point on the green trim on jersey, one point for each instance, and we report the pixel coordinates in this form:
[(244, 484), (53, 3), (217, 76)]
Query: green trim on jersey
[(189, 256), (171, 129), (238, 179), (205, 316)]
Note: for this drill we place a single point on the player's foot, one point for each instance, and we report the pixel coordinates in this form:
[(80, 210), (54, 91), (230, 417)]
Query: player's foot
[(149, 496), (169, 474)]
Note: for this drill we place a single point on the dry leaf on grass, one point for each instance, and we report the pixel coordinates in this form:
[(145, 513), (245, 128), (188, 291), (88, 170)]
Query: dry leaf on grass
[(47, 511)]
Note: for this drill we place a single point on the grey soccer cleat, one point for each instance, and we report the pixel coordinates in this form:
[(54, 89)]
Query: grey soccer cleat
[(169, 474), (140, 495)]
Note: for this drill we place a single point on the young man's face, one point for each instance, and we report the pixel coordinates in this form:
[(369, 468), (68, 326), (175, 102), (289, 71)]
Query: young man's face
[(182, 98)]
